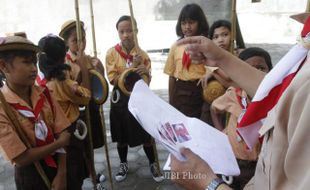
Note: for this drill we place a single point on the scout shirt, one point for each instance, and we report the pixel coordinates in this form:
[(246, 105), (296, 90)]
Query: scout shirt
[(69, 95), (175, 68), (11, 145), (231, 102), (116, 64), (71, 59), (284, 159)]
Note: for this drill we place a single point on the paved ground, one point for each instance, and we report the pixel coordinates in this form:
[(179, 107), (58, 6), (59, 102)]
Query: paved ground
[(139, 177)]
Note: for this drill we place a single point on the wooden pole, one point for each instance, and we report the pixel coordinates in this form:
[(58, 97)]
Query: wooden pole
[(134, 26), (100, 108), (233, 26), (78, 23), (106, 146), (308, 6), (93, 27), (91, 165), (18, 129), (135, 31)]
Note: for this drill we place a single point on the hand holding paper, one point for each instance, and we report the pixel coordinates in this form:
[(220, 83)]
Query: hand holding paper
[(174, 130)]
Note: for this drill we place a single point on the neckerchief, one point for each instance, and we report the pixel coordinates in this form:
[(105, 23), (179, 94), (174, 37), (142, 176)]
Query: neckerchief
[(43, 134)]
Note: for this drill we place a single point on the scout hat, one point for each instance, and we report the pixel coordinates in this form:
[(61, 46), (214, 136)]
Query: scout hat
[(301, 17), (68, 25), (21, 34), (17, 43)]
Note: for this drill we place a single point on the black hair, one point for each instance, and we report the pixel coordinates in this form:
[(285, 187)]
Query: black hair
[(125, 18), (193, 12), (217, 24), (9, 55), (51, 59), (256, 51)]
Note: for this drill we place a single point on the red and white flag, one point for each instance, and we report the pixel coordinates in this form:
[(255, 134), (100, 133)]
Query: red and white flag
[(271, 89)]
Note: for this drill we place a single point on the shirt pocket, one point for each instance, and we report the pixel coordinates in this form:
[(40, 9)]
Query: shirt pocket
[(264, 164)]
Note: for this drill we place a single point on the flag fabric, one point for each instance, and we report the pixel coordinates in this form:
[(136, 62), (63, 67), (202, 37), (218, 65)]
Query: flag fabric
[(271, 88)]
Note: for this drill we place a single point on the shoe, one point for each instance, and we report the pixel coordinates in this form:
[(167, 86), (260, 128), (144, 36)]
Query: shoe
[(156, 174), (100, 178), (101, 187), (122, 172)]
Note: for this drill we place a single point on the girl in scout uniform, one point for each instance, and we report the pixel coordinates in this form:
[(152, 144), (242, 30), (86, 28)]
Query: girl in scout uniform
[(41, 119), (184, 92), (69, 95), (124, 127)]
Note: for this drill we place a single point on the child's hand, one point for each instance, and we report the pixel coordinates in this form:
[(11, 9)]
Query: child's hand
[(141, 70), (59, 182), (64, 138), (204, 81), (137, 60)]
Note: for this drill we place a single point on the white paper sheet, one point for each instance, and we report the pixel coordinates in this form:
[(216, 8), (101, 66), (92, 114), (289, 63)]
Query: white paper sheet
[(157, 117)]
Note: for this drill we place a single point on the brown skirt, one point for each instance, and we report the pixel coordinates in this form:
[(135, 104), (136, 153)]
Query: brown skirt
[(187, 98), (125, 129), (27, 177)]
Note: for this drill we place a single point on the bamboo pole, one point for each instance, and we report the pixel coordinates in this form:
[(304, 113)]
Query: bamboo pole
[(78, 23), (100, 108), (233, 26), (93, 27), (135, 31), (106, 146), (17, 127), (134, 26), (91, 166)]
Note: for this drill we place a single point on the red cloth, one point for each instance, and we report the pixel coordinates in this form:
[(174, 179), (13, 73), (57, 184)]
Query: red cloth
[(34, 117), (186, 60), (127, 57)]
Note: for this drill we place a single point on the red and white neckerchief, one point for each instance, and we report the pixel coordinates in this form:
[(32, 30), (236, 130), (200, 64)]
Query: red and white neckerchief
[(43, 134), (127, 57), (40, 79), (271, 89), (186, 60), (69, 57)]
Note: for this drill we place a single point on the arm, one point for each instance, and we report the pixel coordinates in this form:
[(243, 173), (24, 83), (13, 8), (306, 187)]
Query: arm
[(97, 64), (38, 153), (112, 71), (196, 166), (245, 76), (216, 119), (82, 61), (60, 180)]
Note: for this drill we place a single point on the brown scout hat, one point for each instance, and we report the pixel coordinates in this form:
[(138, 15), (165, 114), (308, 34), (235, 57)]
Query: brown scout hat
[(21, 34), (301, 17), (67, 26), (17, 43)]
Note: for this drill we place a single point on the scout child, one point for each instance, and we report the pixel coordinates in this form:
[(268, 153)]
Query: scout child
[(124, 127), (74, 56), (184, 93), (41, 119), (70, 95)]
